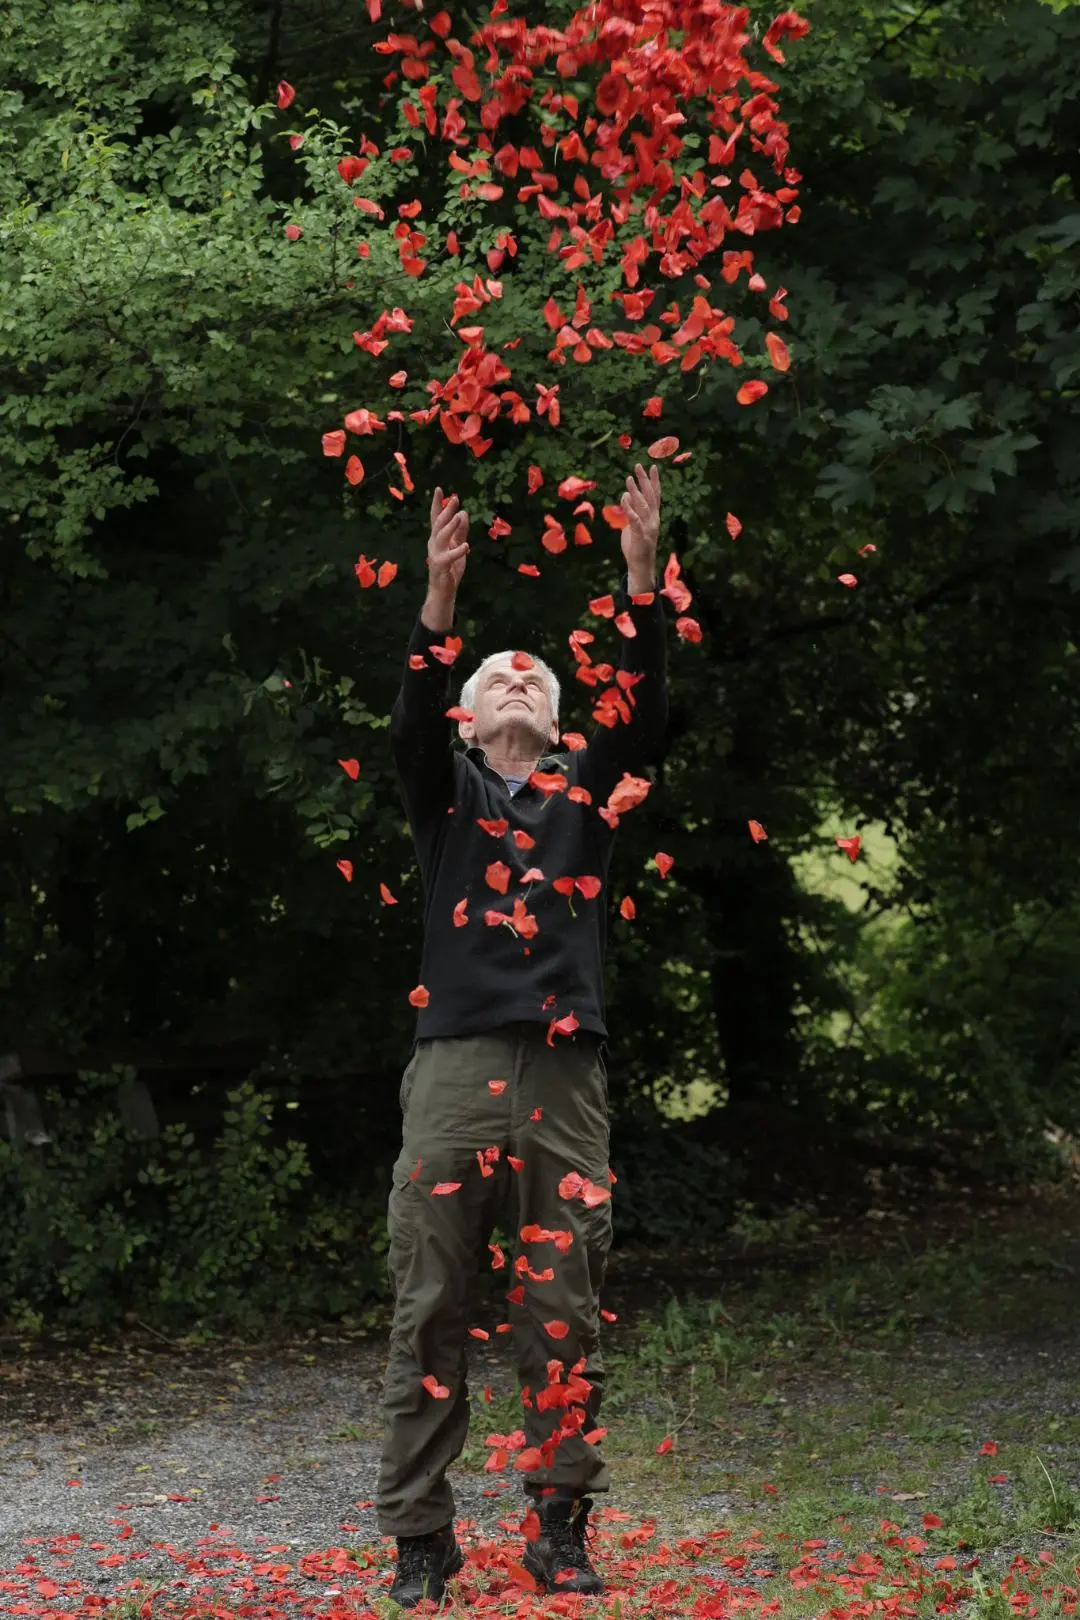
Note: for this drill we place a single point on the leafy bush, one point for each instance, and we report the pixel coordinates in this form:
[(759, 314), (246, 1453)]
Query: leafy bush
[(102, 1223)]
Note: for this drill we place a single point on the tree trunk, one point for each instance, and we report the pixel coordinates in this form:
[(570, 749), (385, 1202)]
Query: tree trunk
[(754, 980)]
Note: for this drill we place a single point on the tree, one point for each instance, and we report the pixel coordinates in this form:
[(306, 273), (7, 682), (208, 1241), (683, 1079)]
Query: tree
[(188, 654)]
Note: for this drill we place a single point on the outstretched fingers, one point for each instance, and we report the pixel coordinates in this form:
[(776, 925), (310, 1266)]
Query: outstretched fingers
[(633, 512), (442, 511), (449, 525), (634, 503), (647, 485)]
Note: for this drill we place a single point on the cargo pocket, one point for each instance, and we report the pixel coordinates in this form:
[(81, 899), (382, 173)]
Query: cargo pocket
[(407, 1081)]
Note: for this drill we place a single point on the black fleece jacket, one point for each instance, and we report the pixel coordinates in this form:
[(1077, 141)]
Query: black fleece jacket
[(480, 975)]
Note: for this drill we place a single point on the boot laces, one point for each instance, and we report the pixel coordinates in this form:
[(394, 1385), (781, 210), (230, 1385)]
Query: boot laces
[(418, 1556), (567, 1537)]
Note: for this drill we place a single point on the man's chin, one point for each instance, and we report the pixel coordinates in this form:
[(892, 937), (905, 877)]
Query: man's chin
[(523, 733)]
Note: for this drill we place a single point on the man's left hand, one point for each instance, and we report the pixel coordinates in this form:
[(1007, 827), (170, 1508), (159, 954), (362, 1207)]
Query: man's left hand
[(641, 503)]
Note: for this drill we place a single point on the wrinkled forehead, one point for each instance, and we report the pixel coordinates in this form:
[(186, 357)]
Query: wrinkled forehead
[(501, 669)]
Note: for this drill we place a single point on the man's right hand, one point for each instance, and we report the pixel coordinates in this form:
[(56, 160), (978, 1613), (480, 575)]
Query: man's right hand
[(447, 551), (448, 546)]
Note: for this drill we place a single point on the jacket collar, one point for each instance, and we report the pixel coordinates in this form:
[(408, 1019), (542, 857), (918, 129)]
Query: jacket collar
[(546, 762)]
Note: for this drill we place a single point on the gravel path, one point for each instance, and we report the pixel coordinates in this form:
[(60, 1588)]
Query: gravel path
[(215, 1472), (116, 1466), (241, 1475)]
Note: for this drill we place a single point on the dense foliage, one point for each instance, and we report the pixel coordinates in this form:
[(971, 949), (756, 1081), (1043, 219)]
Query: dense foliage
[(186, 651)]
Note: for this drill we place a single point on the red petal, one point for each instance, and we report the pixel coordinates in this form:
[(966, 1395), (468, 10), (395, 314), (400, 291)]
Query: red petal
[(497, 877), (778, 351)]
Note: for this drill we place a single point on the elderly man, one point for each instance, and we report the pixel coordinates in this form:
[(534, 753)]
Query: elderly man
[(504, 1101)]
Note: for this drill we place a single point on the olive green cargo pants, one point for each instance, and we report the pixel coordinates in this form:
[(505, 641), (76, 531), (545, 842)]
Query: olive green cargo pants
[(549, 1110)]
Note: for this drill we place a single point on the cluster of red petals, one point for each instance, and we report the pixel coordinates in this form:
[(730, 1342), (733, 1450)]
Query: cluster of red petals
[(613, 177)]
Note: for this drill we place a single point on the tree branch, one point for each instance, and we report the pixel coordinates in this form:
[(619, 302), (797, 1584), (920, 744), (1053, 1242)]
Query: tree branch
[(912, 22)]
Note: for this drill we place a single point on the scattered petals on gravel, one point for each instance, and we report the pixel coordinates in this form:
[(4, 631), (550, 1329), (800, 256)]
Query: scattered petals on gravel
[(712, 1576)]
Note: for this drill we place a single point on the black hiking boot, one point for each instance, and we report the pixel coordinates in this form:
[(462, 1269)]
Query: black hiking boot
[(559, 1549), (424, 1565)]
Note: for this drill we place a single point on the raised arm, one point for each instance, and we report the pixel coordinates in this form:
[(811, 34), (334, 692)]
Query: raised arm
[(632, 744), (419, 730)]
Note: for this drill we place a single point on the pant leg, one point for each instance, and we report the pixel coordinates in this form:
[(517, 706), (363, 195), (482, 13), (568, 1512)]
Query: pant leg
[(568, 1084), (449, 1113)]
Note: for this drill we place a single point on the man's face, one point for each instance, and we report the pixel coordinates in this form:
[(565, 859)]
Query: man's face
[(510, 701)]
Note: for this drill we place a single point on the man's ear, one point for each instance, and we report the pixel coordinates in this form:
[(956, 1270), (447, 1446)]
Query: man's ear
[(467, 731), (553, 734)]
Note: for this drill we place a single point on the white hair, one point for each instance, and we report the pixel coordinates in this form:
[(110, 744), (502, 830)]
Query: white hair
[(551, 680)]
